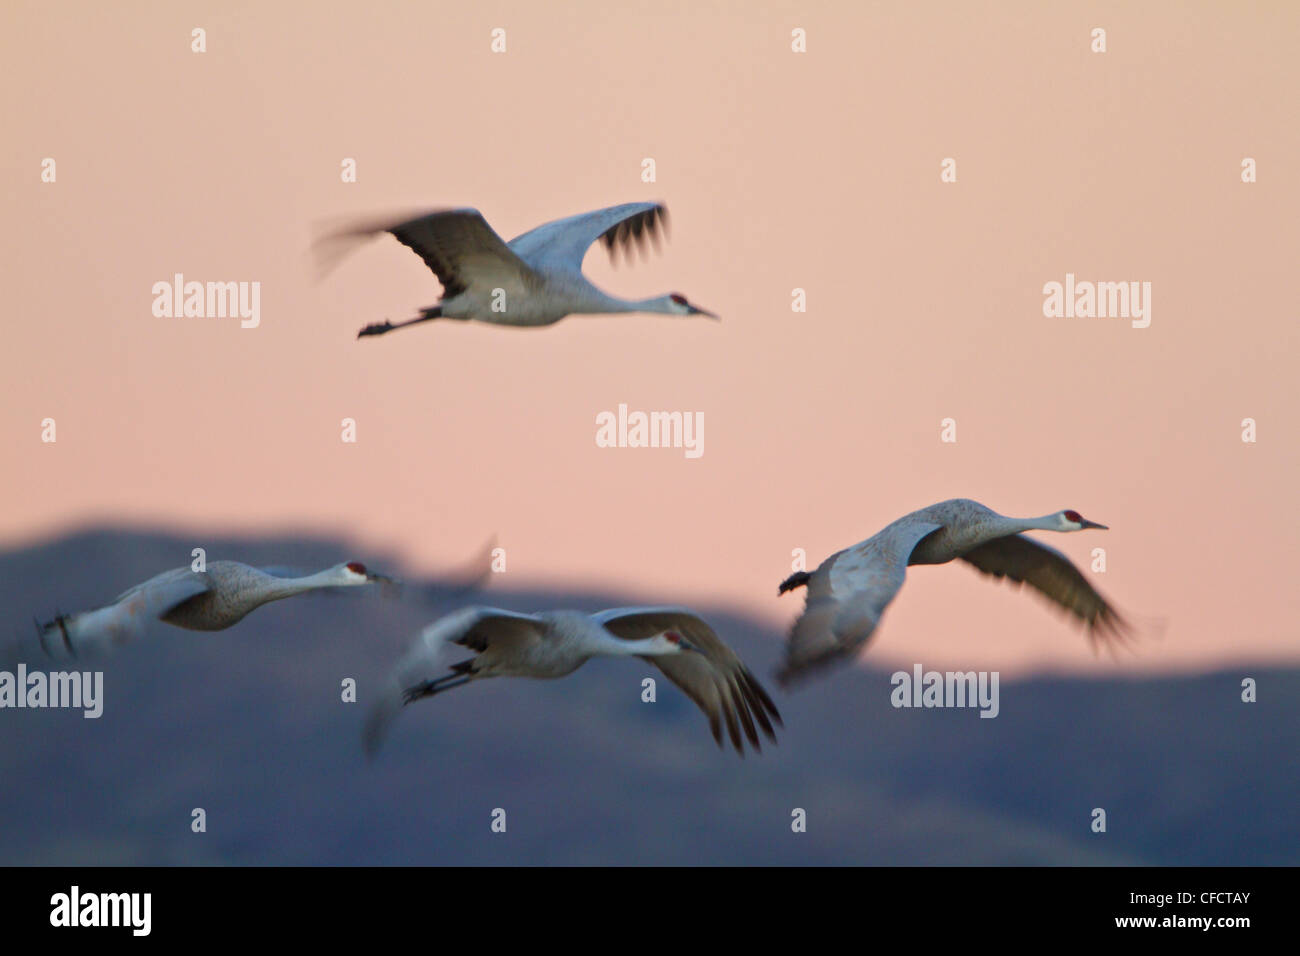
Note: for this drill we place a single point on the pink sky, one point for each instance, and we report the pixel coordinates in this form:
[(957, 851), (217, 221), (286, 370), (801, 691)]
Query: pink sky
[(780, 170)]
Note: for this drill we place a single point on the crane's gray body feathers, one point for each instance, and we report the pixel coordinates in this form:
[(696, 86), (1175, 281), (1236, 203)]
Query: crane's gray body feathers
[(220, 596), (210, 600), (848, 593), (536, 279), (554, 644)]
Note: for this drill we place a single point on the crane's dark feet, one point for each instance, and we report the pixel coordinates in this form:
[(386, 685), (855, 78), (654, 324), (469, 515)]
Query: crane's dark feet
[(419, 690), (375, 328), (796, 580)]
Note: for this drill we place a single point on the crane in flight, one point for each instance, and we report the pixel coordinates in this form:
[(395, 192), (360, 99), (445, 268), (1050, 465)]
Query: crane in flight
[(556, 643), (535, 279), (849, 591), (208, 600)]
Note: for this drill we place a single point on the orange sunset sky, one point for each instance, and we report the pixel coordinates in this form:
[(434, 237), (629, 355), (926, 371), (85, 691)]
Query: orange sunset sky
[(781, 170)]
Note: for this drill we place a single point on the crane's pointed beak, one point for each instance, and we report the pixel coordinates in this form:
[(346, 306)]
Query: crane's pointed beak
[(1093, 524), (688, 646), (390, 587), (696, 310)]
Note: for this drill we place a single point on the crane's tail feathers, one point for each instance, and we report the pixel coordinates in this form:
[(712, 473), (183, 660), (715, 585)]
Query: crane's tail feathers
[(803, 661), (796, 580), (794, 672), (825, 635)]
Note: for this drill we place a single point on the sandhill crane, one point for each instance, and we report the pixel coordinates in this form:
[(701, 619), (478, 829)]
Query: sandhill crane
[(535, 279), (209, 600), (850, 590), (556, 643)]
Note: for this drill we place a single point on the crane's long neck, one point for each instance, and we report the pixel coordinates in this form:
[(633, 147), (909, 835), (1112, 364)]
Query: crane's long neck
[(276, 588), (600, 302), (607, 645), (1050, 522), (659, 303)]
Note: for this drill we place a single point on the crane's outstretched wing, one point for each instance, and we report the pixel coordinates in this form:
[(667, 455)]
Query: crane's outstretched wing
[(1053, 575), (562, 244), (847, 595), (455, 585), (92, 632), (161, 581), (475, 628), (715, 678), (458, 246)]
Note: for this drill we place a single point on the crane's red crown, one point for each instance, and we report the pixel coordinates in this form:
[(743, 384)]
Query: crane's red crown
[(673, 637), (356, 567), (1074, 516), (678, 298)]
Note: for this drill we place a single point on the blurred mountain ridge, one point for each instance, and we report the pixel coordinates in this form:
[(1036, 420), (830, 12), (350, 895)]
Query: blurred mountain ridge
[(249, 725)]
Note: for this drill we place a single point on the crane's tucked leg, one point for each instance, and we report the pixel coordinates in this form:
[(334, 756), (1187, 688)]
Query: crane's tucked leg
[(379, 328), (796, 580), (430, 687)]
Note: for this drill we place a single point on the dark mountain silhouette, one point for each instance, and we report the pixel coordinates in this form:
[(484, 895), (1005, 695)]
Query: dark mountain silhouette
[(249, 725)]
